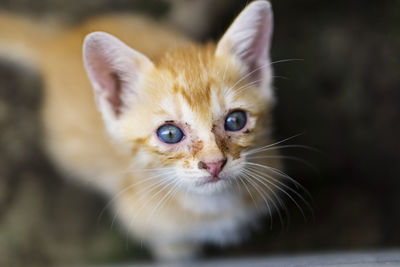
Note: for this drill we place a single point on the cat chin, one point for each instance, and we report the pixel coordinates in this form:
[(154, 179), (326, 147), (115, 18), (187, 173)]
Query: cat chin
[(209, 188)]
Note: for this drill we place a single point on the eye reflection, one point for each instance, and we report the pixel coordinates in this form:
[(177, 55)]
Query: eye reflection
[(235, 121), (170, 134)]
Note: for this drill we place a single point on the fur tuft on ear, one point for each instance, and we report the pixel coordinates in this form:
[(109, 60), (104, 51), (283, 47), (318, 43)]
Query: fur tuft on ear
[(248, 38), (114, 69)]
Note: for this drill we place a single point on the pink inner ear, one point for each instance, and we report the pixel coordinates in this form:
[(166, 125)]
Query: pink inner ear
[(104, 73), (109, 81), (258, 57), (248, 38), (114, 70), (115, 96)]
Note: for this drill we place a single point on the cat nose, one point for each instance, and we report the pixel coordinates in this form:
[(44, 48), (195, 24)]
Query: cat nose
[(214, 168)]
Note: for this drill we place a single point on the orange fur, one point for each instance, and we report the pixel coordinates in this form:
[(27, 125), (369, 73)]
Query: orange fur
[(188, 81)]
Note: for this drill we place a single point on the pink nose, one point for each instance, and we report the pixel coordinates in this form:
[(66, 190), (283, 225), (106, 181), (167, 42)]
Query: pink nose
[(214, 168)]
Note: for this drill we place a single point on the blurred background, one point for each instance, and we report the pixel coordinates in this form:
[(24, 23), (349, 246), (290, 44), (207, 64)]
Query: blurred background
[(343, 96)]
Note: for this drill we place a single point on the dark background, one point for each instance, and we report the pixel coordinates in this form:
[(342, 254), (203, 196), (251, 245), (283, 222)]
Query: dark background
[(343, 96)]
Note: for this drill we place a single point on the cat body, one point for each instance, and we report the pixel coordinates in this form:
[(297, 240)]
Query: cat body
[(173, 196)]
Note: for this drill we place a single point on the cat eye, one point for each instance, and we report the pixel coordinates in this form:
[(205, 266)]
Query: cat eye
[(170, 134), (235, 121)]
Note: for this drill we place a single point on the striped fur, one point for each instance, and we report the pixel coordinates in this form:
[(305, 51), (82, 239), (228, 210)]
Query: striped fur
[(157, 190)]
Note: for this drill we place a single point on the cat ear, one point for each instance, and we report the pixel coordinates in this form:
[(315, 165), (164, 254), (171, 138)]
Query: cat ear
[(114, 69), (248, 38)]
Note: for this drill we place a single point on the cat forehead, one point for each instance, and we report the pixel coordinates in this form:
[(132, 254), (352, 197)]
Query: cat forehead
[(196, 81), (184, 107), (189, 82)]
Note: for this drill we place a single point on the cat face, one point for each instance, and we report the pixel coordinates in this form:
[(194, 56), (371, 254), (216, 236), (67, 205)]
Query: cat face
[(201, 118), (194, 112)]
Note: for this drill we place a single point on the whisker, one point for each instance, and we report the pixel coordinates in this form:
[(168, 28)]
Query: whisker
[(236, 184), (142, 194), (297, 146), (263, 194), (253, 175), (263, 66), (141, 181), (284, 175), (297, 184), (286, 60), (287, 194), (286, 157), (257, 150), (271, 179), (118, 194), (246, 177), (167, 197), (247, 85), (164, 183), (164, 199), (167, 183), (251, 195)]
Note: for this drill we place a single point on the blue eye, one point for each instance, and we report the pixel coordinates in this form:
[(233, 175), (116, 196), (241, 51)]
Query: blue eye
[(235, 121), (170, 134)]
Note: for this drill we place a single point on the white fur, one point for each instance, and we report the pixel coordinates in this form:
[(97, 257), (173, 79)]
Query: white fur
[(232, 220)]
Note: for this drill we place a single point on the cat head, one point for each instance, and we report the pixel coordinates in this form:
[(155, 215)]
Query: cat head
[(195, 111)]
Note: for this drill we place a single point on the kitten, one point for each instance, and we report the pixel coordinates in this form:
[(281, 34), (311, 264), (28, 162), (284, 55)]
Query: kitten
[(182, 121)]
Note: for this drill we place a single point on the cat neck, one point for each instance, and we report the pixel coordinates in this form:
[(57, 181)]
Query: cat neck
[(224, 202)]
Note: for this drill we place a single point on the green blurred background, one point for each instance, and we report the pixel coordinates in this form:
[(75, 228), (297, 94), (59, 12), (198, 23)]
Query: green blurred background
[(343, 96)]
